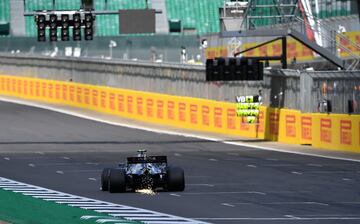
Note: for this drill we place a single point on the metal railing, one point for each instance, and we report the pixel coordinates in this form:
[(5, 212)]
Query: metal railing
[(333, 40)]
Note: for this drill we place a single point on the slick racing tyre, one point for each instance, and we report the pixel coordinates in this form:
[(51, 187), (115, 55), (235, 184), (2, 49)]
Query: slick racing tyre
[(105, 179), (175, 179), (117, 180)]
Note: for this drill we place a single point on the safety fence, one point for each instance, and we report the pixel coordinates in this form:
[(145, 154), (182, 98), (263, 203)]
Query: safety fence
[(329, 131)]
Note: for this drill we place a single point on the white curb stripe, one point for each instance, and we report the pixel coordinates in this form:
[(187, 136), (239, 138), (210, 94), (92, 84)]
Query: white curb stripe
[(111, 209)]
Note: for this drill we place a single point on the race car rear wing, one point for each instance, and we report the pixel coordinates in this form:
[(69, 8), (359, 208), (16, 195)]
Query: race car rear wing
[(147, 159)]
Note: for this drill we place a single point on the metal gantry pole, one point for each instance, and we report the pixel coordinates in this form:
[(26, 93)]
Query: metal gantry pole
[(284, 52)]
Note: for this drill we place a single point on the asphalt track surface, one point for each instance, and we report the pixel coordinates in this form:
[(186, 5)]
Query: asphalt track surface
[(224, 183)]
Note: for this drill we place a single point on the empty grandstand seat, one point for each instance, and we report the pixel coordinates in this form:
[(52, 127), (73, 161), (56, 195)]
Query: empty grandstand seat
[(4, 28), (4, 11), (203, 15), (4, 17)]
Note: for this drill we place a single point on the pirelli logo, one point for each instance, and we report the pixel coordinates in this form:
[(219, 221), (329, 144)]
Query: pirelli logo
[(149, 107), (325, 130), (306, 125), (274, 123), (103, 99), (19, 86), (345, 132), (231, 119), (26, 87), (193, 114), (121, 102), (2, 81), (205, 115), (31, 88), (87, 96), (160, 109), (44, 88), (182, 112), (112, 101), (95, 95), (79, 95), (57, 91), (218, 117), (130, 104), (261, 125), (13, 85), (290, 125), (171, 110), (139, 105), (72, 93), (64, 92), (50, 88)]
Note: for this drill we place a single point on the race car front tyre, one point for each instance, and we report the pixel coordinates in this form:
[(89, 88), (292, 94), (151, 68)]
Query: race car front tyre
[(105, 179), (175, 179), (117, 180)]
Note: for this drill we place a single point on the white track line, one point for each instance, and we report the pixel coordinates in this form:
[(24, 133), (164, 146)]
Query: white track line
[(139, 127), (111, 209)]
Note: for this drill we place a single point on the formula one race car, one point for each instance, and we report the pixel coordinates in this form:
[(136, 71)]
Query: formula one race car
[(143, 172)]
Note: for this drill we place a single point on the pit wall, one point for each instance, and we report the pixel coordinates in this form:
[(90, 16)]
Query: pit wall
[(327, 131)]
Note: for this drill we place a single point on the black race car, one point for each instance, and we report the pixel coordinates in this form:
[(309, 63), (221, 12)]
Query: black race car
[(143, 172)]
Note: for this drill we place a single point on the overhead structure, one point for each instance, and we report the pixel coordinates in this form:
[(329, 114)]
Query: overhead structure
[(292, 18)]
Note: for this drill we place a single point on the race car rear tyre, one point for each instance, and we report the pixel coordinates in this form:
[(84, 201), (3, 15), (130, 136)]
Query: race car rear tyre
[(117, 180), (105, 179), (175, 179)]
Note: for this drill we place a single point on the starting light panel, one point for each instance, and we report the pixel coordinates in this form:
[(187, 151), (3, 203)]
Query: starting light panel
[(77, 27), (64, 20), (53, 27), (229, 69), (41, 27), (65, 27), (89, 26)]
